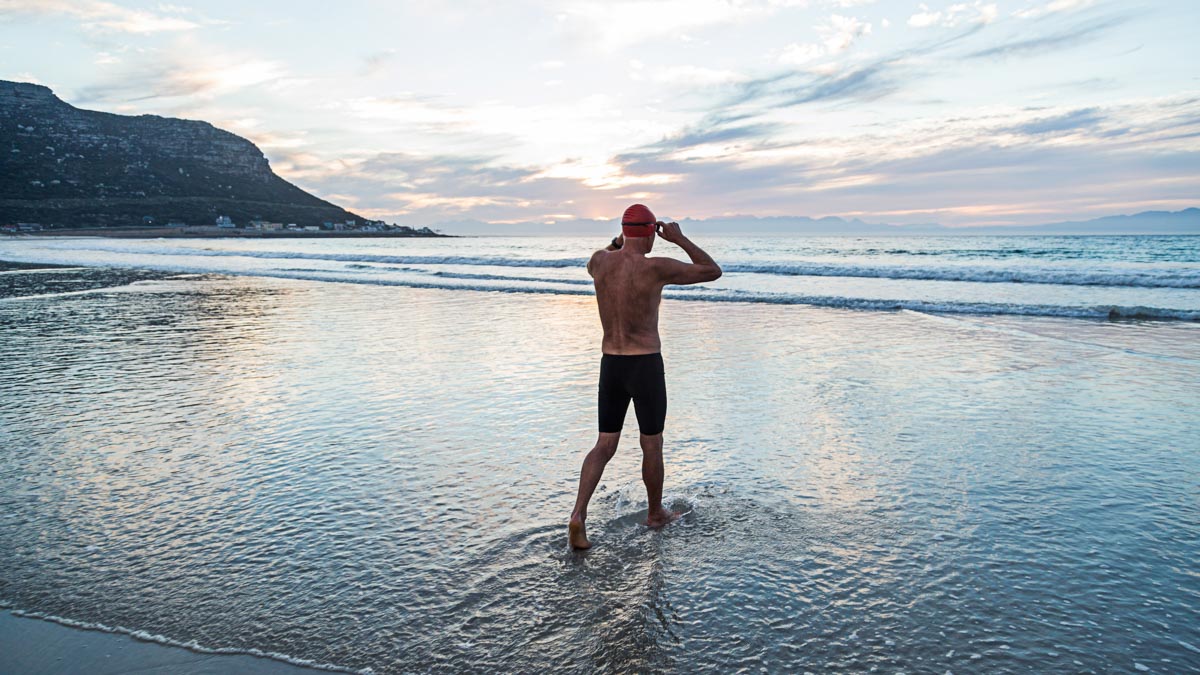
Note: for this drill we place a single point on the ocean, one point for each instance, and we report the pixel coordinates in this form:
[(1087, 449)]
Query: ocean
[(1150, 277), (917, 454)]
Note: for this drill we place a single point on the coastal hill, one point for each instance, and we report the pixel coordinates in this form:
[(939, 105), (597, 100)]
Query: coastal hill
[(61, 166)]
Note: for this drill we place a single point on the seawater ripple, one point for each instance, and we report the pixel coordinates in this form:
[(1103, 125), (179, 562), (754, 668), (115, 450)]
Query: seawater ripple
[(1170, 277), (699, 294), (864, 277), (378, 477), (996, 275)]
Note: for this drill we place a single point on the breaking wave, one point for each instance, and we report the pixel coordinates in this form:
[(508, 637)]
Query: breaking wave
[(1059, 276)]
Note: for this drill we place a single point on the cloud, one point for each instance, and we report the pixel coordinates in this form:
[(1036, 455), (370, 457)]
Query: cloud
[(100, 16), (837, 33), (842, 4), (840, 31), (177, 77), (427, 189), (616, 25), (422, 113), (1052, 7), (375, 62), (1084, 118), (1062, 39), (954, 15), (26, 77), (403, 182), (548, 133), (924, 18), (708, 139), (798, 54), (862, 81), (690, 76), (998, 165)]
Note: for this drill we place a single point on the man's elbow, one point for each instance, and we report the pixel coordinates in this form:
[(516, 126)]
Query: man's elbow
[(714, 273)]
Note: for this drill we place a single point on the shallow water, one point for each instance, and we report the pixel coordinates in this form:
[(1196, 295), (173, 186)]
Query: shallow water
[(1155, 277), (379, 477)]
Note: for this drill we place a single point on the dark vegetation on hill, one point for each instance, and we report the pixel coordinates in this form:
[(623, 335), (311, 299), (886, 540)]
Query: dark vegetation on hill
[(65, 167)]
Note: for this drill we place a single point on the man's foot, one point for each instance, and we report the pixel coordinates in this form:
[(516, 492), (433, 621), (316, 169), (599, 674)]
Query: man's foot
[(577, 534), (661, 517)]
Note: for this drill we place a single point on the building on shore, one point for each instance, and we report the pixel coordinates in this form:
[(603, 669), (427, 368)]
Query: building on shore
[(225, 221)]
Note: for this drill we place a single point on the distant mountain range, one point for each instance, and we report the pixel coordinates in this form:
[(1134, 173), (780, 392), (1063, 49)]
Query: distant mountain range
[(1186, 221), (62, 166)]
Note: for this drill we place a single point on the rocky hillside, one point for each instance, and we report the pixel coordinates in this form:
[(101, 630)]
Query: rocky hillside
[(65, 167)]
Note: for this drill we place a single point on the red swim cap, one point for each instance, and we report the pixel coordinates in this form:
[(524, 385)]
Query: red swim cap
[(638, 221)]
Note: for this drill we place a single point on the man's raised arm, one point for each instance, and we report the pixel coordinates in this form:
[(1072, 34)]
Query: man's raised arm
[(703, 267)]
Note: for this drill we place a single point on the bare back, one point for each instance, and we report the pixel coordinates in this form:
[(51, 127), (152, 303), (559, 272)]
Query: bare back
[(628, 294), (629, 288)]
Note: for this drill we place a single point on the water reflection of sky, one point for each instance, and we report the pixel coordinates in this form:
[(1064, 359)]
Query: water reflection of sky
[(378, 477)]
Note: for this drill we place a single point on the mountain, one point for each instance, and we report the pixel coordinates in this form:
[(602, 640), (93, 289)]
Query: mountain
[(1186, 221), (66, 167)]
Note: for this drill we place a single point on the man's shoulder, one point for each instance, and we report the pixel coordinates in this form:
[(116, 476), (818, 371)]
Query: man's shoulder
[(595, 262), (659, 263)]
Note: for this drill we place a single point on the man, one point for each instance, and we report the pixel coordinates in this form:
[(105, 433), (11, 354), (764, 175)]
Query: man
[(628, 292)]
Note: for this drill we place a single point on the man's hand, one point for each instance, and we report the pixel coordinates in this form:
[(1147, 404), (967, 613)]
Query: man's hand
[(670, 232), (621, 239), (703, 267)]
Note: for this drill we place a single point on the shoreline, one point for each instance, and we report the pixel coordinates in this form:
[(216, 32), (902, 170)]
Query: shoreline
[(1120, 313), (13, 266), (35, 644), (214, 233)]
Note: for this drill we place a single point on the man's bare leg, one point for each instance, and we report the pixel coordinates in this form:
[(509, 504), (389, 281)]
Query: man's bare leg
[(652, 476), (589, 478)]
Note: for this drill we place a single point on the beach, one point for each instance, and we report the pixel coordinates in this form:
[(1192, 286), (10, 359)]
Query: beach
[(363, 458), (33, 646)]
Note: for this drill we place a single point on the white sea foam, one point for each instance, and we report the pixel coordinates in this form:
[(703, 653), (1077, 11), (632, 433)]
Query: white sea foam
[(1157, 278), (697, 294), (182, 644), (1162, 277), (1108, 286)]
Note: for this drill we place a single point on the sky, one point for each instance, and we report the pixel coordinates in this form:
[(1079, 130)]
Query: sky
[(427, 112)]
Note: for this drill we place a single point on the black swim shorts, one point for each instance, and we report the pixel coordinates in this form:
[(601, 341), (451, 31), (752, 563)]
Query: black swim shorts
[(640, 378)]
